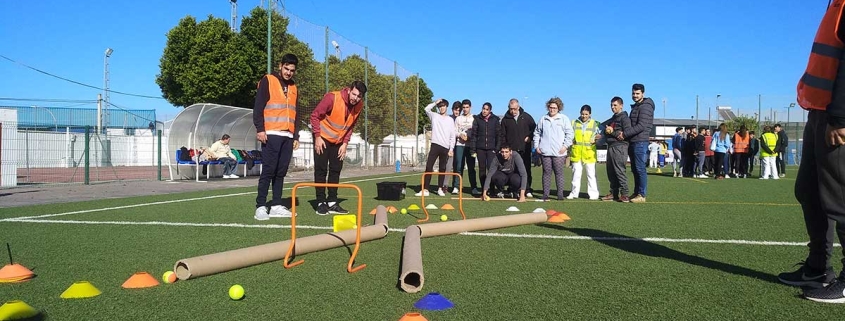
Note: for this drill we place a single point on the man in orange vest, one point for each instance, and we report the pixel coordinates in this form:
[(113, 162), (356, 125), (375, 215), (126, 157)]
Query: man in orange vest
[(277, 128), (820, 182), (332, 122)]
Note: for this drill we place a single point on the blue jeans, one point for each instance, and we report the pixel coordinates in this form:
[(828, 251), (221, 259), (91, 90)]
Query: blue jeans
[(638, 152), (229, 165)]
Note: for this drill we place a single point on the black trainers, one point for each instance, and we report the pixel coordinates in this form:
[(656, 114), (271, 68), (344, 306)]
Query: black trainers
[(832, 293), (336, 209), (803, 277), (323, 209)]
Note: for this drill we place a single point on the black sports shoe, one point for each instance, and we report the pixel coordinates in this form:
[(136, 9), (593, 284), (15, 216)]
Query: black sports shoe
[(323, 209), (803, 277), (336, 209), (832, 293)]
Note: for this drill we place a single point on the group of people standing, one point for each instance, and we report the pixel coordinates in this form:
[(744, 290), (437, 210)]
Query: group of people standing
[(725, 154), (462, 138)]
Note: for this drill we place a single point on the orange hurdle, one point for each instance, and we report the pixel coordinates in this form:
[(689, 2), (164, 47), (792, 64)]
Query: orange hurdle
[(460, 195), (349, 267)]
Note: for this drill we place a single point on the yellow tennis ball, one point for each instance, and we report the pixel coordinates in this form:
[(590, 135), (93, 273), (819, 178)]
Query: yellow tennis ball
[(236, 292), (169, 277), (444, 217), (403, 211)]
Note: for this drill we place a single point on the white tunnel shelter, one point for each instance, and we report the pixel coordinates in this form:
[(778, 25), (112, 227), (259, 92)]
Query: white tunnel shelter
[(200, 125)]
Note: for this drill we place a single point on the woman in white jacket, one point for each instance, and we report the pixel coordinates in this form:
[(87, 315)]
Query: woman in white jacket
[(552, 137)]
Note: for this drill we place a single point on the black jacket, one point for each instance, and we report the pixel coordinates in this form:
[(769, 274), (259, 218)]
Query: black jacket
[(783, 142), (513, 131), (484, 134), (753, 146), (619, 122), (642, 120)]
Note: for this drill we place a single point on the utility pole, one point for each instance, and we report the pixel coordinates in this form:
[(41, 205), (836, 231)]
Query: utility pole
[(696, 111), (269, 42)]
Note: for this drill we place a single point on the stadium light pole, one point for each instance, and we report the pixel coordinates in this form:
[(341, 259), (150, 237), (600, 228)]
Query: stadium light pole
[(792, 105), (106, 56), (337, 50)]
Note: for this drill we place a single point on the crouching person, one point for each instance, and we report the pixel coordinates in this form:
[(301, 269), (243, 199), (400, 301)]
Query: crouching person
[(506, 170)]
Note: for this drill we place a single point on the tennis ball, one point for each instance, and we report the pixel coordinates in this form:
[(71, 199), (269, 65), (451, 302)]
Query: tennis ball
[(444, 217), (169, 277), (403, 211), (236, 292)]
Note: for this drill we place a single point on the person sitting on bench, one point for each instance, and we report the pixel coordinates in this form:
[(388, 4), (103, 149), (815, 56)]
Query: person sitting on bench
[(221, 151)]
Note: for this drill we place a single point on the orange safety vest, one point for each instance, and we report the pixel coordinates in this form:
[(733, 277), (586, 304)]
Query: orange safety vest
[(338, 122), (280, 110), (740, 144), (815, 89)]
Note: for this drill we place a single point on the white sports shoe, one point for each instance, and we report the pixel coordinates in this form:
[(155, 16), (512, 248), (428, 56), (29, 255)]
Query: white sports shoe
[(440, 192), (455, 190), (261, 214), (279, 211), (420, 193)]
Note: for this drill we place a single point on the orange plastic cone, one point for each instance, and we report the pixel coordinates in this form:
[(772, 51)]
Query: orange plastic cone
[(413, 316), (391, 209), (373, 212), (140, 280), (15, 273), (559, 218), (551, 212), (447, 207)]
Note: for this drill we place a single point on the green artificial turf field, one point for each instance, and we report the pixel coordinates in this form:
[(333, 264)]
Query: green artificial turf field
[(698, 249)]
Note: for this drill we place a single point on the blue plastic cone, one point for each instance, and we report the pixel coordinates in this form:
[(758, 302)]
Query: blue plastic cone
[(434, 301)]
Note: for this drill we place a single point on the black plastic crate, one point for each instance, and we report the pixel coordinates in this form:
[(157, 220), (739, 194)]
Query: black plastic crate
[(391, 191)]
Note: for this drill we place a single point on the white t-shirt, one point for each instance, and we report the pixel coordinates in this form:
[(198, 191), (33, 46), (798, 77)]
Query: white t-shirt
[(653, 148)]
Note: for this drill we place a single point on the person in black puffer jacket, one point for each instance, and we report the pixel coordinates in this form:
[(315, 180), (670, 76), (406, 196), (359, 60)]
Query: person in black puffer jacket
[(517, 131), (484, 138)]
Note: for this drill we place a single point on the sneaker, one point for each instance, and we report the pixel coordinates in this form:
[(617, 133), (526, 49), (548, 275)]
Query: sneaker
[(261, 213), (440, 192), (832, 293), (608, 197), (571, 197), (455, 190), (323, 209), (500, 195), (805, 278), (336, 209), (422, 192), (638, 199), (279, 211), (529, 195), (624, 199), (475, 191)]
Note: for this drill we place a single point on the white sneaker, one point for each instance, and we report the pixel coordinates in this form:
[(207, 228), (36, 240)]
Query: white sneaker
[(234, 176), (571, 197), (529, 195), (455, 190), (422, 192), (440, 192), (279, 211), (261, 214)]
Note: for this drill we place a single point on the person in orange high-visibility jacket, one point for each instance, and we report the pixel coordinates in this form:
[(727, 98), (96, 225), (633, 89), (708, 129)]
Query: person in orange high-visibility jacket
[(331, 123), (276, 127), (820, 183)]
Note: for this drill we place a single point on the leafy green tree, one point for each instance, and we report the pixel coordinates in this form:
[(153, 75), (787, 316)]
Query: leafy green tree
[(749, 122)]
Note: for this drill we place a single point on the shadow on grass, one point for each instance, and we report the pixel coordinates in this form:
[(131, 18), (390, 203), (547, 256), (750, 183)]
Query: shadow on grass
[(638, 246)]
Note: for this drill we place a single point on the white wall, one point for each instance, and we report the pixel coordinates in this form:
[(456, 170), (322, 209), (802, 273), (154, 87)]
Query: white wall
[(8, 157)]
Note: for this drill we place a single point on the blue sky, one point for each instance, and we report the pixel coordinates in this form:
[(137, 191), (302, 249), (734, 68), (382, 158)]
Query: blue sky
[(585, 52)]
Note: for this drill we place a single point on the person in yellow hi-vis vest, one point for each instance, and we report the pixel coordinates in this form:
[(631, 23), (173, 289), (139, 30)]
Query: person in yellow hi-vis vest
[(583, 153), (768, 155)]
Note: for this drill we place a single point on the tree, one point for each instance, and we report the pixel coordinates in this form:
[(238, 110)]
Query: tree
[(204, 62), (749, 122)]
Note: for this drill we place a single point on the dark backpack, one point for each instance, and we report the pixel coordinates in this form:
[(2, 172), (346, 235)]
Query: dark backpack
[(184, 154)]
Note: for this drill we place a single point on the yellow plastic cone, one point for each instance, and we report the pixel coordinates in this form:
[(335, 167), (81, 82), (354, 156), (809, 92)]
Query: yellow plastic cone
[(16, 310), (81, 289), (414, 207)]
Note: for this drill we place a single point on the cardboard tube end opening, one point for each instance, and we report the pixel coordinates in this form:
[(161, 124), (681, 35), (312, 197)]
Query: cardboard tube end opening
[(182, 271), (412, 282)]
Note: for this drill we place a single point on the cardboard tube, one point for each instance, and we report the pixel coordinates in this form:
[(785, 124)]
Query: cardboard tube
[(411, 275), (411, 279), (479, 224), (235, 259)]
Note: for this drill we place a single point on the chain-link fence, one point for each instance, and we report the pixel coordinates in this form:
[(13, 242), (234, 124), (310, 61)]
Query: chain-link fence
[(68, 148)]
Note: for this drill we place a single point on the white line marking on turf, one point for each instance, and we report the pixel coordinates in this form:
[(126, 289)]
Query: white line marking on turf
[(486, 234), (171, 201)]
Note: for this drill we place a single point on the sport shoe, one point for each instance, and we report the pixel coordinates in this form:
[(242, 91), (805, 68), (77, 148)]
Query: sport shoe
[(608, 197), (420, 193), (440, 192), (261, 213), (624, 199), (336, 209), (455, 190), (528, 194), (571, 197), (832, 293), (638, 199), (475, 191), (805, 278), (323, 209), (279, 211)]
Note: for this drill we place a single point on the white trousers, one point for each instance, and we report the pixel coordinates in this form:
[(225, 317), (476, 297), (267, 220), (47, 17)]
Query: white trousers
[(770, 167), (592, 185), (652, 160)]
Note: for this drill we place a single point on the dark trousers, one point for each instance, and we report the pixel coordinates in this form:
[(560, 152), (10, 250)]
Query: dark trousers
[(742, 163), (275, 155), (781, 162), (820, 188), (701, 159), (689, 164), (708, 163), (719, 168), (751, 161), (485, 156), (526, 159), (617, 156), (512, 180), (436, 152), (327, 164)]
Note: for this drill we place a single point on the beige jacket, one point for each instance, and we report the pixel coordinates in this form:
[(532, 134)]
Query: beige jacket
[(220, 150)]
